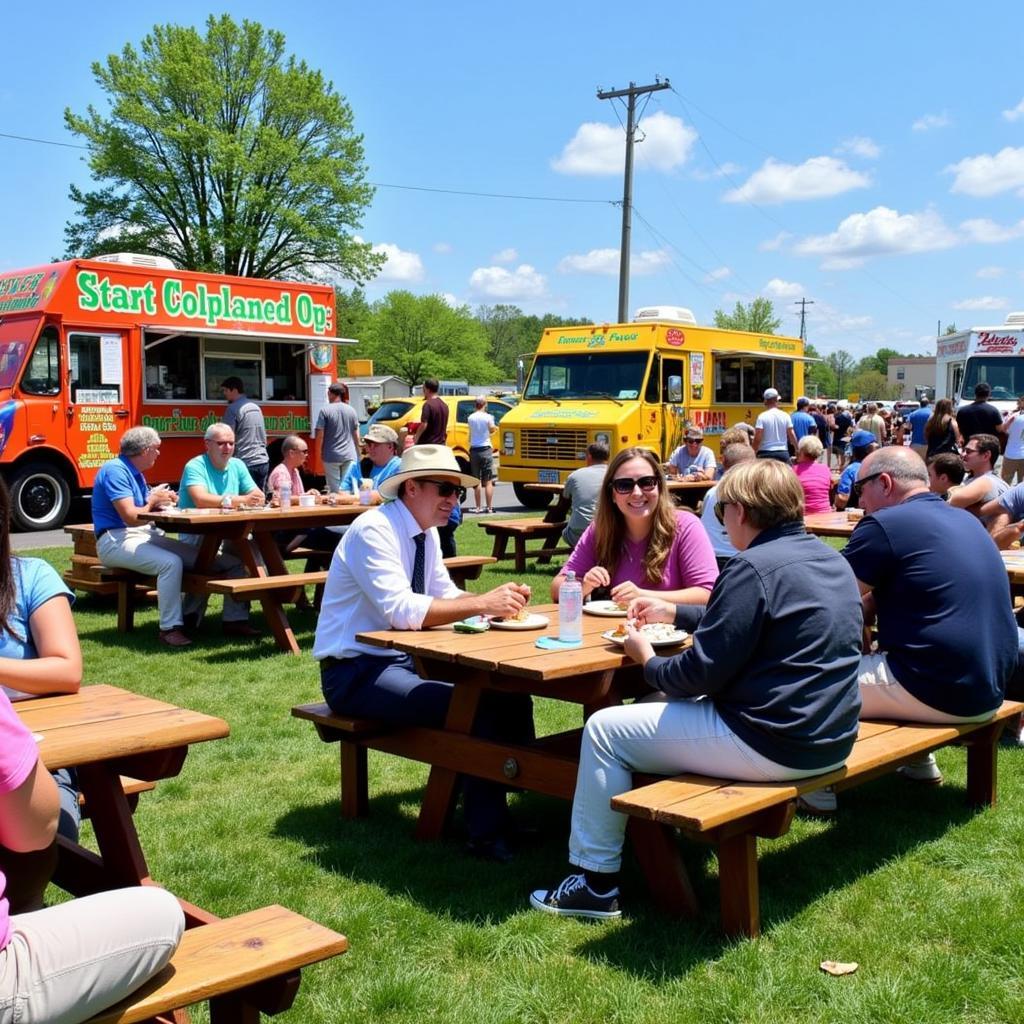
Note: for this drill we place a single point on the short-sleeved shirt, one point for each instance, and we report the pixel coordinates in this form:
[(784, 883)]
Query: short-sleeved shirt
[(803, 424), (1015, 436), (336, 422), (945, 620), (690, 563), (716, 531), (978, 418), (481, 426), (875, 424), (917, 420), (847, 478), (377, 474), (816, 480), (435, 416), (844, 421), (234, 479), (35, 583), (823, 432), (775, 423), (116, 479), (18, 755), (582, 488), (681, 458), (245, 418), (282, 476), (1013, 501)]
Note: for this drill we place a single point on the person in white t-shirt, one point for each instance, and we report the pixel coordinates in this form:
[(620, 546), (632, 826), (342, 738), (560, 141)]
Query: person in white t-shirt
[(773, 430), (1013, 457), (481, 454)]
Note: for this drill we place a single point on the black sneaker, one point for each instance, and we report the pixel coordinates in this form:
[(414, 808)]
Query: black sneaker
[(574, 898)]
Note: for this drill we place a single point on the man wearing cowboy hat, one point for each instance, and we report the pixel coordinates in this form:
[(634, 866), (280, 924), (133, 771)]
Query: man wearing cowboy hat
[(387, 573)]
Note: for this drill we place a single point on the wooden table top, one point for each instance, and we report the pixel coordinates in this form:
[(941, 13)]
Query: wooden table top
[(829, 524), (261, 517), (1013, 559), (105, 723)]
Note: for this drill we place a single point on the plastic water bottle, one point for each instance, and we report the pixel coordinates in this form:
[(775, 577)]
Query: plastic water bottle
[(285, 495), (570, 609), (225, 503), (365, 491)]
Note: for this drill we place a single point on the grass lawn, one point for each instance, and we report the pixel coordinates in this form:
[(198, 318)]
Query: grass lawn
[(925, 895)]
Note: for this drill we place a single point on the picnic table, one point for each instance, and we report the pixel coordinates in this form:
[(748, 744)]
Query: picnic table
[(829, 524), (251, 532), (106, 732)]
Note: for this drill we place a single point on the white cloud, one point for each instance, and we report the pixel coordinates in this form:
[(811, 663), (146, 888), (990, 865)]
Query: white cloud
[(498, 283), (816, 178), (878, 232), (987, 175), (451, 300), (860, 145), (982, 303), (930, 121), (598, 149), (400, 265), (988, 232), (990, 272), (1016, 113), (442, 247), (776, 243), (718, 274), (776, 288), (606, 262), (726, 170), (505, 256)]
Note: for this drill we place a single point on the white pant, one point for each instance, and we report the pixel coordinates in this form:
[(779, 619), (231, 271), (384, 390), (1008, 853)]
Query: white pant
[(663, 738), (333, 473), (228, 565), (881, 696), (66, 963)]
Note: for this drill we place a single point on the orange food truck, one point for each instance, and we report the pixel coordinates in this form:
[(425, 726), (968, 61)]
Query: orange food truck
[(89, 348)]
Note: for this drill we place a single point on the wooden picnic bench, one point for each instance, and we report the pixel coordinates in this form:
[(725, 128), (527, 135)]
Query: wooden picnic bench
[(244, 966), (520, 531), (732, 815)]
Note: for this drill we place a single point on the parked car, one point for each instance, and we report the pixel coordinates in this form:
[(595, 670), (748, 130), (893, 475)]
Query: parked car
[(404, 413)]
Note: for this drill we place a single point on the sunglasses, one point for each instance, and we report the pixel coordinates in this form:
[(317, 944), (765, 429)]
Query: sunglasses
[(858, 486), (446, 489), (625, 484), (720, 511)]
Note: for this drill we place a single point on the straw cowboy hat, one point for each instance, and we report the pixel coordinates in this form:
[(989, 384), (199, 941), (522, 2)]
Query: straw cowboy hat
[(425, 460)]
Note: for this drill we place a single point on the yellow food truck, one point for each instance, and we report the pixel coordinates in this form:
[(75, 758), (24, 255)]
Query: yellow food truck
[(641, 383)]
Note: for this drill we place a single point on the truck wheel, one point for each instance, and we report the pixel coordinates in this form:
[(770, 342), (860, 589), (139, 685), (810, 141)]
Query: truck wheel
[(40, 496), (531, 499)]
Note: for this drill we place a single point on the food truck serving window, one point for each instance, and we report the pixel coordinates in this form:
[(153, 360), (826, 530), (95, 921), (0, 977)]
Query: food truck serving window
[(743, 380)]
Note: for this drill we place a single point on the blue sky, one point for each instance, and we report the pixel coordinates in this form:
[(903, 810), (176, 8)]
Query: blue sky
[(868, 157)]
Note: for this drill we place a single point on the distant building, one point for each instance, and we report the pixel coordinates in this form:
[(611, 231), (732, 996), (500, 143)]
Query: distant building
[(366, 394), (909, 372)]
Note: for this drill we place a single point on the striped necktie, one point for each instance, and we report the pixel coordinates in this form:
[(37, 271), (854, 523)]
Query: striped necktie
[(419, 564)]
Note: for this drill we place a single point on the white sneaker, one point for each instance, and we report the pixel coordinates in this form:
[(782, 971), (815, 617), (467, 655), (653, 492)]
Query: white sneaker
[(820, 802), (922, 770)]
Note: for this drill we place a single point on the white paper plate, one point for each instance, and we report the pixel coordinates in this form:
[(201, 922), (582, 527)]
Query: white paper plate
[(532, 621), (607, 608), (677, 637)]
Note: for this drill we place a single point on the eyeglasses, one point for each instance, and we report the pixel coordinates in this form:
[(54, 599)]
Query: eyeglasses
[(693, 440), (971, 451), (720, 511), (446, 489), (301, 451), (223, 444), (858, 485), (625, 484)]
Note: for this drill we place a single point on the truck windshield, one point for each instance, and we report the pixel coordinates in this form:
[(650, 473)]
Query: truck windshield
[(1005, 374), (14, 338), (618, 375)]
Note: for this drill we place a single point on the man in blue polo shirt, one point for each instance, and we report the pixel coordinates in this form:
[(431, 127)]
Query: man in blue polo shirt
[(926, 571), (803, 421), (917, 420)]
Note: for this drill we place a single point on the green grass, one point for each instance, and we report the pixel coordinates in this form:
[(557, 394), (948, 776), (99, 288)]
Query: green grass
[(924, 894)]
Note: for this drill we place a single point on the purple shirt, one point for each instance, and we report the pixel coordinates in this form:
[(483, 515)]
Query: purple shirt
[(690, 563), (816, 479), (18, 755)]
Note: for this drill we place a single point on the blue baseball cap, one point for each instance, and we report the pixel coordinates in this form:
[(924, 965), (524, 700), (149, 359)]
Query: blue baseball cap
[(862, 438)]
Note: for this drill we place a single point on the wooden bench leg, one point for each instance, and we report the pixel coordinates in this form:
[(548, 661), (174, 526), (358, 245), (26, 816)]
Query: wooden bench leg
[(738, 893), (981, 765), (125, 607), (355, 789), (655, 848), (520, 553), (500, 546)]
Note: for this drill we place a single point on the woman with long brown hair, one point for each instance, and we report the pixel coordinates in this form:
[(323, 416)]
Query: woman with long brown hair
[(639, 543), (941, 432)]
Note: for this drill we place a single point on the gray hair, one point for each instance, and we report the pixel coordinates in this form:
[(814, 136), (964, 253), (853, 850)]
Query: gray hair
[(902, 464), (136, 440), (810, 446), (736, 453), (216, 428), (291, 442)]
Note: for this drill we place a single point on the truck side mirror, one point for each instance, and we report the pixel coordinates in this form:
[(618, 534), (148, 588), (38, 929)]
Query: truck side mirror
[(675, 390)]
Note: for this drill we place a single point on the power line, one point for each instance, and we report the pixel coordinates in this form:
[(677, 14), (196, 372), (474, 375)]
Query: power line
[(41, 142)]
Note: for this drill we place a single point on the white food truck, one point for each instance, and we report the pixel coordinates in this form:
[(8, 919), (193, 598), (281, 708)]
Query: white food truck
[(991, 354)]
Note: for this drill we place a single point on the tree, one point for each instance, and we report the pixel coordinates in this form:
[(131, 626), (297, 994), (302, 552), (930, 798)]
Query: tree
[(881, 359), (950, 329), (818, 377), (840, 363), (512, 333), (223, 154), (759, 317), (422, 336), (872, 384)]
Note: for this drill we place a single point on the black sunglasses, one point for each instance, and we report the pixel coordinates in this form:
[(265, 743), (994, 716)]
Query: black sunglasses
[(625, 484), (446, 489), (720, 511), (858, 485)]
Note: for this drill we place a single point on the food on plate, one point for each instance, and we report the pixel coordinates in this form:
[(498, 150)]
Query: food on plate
[(619, 632), (622, 605)]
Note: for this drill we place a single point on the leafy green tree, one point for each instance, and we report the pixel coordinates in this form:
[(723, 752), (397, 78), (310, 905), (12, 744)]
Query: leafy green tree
[(512, 333), (841, 364), (950, 329), (224, 154), (818, 377), (872, 384), (759, 317), (417, 336)]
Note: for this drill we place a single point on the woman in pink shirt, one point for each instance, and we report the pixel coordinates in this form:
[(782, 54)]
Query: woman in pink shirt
[(815, 477), (64, 964), (639, 543)]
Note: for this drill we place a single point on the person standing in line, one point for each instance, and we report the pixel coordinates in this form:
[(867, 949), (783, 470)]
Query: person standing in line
[(582, 489), (433, 428), (481, 453), (803, 421), (337, 436), (981, 416), (873, 423), (917, 420), (773, 431), (1013, 457), (941, 432), (841, 437), (824, 432), (245, 418)]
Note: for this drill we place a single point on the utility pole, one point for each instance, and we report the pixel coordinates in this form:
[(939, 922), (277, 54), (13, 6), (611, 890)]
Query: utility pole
[(630, 95), (803, 304)]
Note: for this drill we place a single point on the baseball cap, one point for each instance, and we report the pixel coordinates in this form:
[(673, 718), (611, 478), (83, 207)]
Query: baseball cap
[(694, 434), (770, 393), (862, 438), (381, 434)]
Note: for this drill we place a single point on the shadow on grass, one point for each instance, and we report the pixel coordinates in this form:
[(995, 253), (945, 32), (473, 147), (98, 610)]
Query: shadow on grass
[(876, 824)]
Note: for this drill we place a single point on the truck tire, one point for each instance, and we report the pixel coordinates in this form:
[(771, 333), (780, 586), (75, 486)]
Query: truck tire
[(531, 499), (40, 496)]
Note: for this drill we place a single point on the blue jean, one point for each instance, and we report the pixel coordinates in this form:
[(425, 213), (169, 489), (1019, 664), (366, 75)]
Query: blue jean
[(388, 688)]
